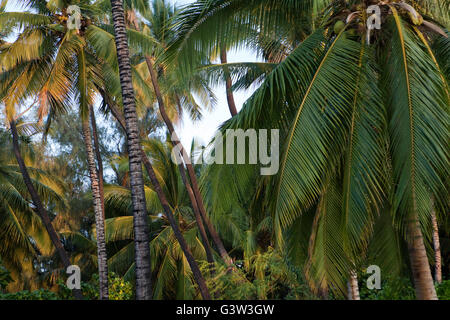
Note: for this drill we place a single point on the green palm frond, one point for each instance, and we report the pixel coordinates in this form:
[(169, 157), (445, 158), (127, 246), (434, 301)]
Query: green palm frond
[(418, 125), (328, 265), (363, 185)]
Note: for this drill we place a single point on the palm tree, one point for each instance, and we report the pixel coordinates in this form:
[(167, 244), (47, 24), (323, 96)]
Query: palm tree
[(342, 159), (23, 233), (171, 273), (36, 199), (160, 30), (43, 59), (135, 155)]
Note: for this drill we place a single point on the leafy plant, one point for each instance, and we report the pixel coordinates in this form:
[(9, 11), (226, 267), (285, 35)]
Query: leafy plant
[(5, 276), (443, 290)]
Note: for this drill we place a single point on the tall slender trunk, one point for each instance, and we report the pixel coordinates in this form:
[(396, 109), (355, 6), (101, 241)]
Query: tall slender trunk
[(140, 221), (131, 124), (353, 289), (437, 249), (168, 212), (228, 84), (423, 282), (99, 220), (176, 142), (39, 206), (176, 230), (98, 156)]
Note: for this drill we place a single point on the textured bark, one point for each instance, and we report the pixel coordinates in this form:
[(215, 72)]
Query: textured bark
[(140, 221), (176, 142), (98, 156), (228, 84), (353, 289), (423, 282), (39, 206), (168, 212), (437, 249), (99, 219)]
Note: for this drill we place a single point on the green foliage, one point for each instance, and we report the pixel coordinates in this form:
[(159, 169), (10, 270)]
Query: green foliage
[(264, 276), (5, 276), (41, 294), (391, 289), (443, 290), (119, 289)]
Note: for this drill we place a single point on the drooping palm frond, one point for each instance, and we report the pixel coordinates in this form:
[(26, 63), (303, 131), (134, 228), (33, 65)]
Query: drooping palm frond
[(418, 125), (363, 184), (328, 265)]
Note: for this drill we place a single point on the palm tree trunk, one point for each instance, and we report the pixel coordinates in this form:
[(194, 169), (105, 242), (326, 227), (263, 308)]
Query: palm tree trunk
[(168, 212), (135, 150), (98, 156), (353, 289), (420, 267), (176, 142), (39, 206), (176, 230), (228, 84), (198, 198), (437, 249), (99, 219)]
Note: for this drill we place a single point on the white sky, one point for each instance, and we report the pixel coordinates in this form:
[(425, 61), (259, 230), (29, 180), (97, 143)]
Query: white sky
[(202, 130)]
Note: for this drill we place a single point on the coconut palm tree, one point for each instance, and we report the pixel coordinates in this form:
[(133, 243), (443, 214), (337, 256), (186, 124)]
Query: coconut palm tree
[(161, 20), (20, 219), (23, 234), (171, 273), (43, 60), (135, 155), (363, 133)]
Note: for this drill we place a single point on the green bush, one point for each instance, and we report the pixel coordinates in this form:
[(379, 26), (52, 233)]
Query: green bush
[(41, 294), (391, 289), (263, 276), (5, 277), (443, 290), (119, 289)]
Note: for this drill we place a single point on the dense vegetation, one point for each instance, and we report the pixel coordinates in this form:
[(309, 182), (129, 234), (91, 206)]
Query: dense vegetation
[(88, 141)]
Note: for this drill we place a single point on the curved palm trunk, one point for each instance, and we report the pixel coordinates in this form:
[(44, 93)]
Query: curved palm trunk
[(353, 289), (39, 206), (98, 211), (228, 84), (176, 230), (176, 142), (98, 156), (198, 219), (437, 249), (423, 282), (162, 198)]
